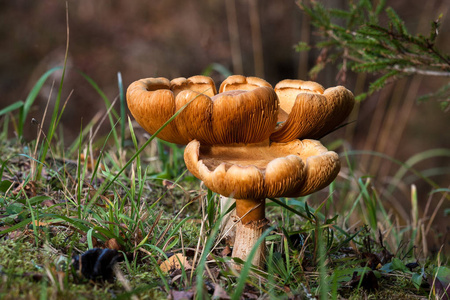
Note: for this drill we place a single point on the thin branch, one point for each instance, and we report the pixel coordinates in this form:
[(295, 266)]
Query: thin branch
[(413, 70)]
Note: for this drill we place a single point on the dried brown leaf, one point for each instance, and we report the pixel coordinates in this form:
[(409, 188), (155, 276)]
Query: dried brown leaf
[(181, 295), (175, 262), (220, 293)]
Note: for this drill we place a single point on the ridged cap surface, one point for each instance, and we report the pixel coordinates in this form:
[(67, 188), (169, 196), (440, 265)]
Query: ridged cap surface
[(255, 171)]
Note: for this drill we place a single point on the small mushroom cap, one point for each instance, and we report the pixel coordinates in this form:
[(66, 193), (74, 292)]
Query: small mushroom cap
[(261, 170), (198, 83), (245, 112), (239, 82), (309, 111), (152, 103)]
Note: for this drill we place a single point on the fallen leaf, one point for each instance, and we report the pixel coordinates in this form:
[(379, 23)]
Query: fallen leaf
[(113, 244), (250, 292), (353, 246), (29, 188), (214, 273), (168, 184), (15, 234), (220, 293), (175, 262), (250, 296), (48, 203), (181, 295), (226, 251), (95, 242), (309, 269)]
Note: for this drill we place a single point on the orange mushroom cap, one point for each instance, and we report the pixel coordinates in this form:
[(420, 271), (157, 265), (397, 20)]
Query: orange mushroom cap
[(309, 111), (239, 82), (245, 111), (261, 170)]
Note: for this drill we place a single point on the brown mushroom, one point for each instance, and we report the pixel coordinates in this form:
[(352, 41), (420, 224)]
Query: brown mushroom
[(253, 172), (152, 103), (306, 110), (309, 111), (230, 133), (245, 110)]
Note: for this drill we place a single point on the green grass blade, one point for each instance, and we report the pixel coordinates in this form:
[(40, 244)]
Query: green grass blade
[(248, 265), (106, 100), (160, 274), (4, 133), (122, 109), (53, 123), (354, 205), (280, 203), (16, 226), (396, 161), (94, 173), (82, 225), (29, 157), (11, 107), (416, 159), (99, 91), (136, 291), (221, 69), (89, 238), (86, 129), (32, 97), (201, 265), (440, 190)]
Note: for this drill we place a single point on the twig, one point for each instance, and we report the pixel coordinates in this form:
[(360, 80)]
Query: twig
[(413, 70)]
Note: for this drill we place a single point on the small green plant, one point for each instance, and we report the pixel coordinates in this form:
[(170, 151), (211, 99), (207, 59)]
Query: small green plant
[(358, 40)]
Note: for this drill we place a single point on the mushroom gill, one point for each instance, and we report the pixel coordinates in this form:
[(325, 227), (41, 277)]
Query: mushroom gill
[(309, 111)]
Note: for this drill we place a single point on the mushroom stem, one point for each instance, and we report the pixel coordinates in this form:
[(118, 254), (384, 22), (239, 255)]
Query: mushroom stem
[(253, 222)]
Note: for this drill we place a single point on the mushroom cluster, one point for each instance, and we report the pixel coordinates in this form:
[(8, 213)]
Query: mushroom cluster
[(249, 141)]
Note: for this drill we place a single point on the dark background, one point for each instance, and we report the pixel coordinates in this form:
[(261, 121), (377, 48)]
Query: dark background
[(181, 38)]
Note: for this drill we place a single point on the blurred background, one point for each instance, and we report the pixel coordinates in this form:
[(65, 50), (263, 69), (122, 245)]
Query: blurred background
[(250, 37)]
